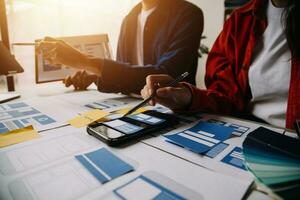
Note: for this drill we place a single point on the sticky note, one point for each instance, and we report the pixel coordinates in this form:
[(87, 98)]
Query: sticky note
[(88, 117), (18, 136), (104, 165)]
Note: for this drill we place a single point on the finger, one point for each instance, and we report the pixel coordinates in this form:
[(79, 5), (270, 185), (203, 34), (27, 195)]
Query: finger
[(45, 46), (47, 38), (53, 59), (153, 81), (77, 80), (152, 102), (86, 79), (145, 94), (68, 81), (160, 78), (49, 53), (84, 76)]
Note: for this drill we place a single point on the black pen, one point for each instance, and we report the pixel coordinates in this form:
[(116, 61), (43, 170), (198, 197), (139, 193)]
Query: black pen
[(171, 84)]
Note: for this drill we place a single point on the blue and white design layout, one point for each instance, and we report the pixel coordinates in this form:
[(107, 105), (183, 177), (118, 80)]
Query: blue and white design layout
[(104, 165), (106, 104), (238, 129), (145, 188), (18, 115), (123, 126), (147, 119), (201, 137), (214, 152), (235, 158)]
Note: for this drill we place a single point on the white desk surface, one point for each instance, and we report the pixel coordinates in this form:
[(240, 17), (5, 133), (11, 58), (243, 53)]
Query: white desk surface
[(36, 159)]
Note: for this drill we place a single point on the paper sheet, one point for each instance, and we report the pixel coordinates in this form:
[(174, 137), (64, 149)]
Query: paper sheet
[(213, 158), (18, 136), (42, 113), (88, 117)]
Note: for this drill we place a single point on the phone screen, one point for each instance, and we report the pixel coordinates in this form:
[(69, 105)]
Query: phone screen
[(125, 127), (148, 119)]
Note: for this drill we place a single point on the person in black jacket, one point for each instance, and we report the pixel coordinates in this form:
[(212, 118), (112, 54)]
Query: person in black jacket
[(157, 37)]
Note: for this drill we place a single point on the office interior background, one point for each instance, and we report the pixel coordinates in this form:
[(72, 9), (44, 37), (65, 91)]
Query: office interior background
[(29, 20)]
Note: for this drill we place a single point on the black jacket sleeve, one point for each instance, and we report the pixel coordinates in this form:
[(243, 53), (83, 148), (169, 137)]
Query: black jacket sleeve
[(184, 37)]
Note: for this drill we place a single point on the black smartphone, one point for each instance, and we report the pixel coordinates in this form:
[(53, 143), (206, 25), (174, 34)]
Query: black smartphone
[(131, 127)]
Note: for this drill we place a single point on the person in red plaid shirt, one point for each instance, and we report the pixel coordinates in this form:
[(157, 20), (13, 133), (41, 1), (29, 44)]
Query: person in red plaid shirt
[(252, 71)]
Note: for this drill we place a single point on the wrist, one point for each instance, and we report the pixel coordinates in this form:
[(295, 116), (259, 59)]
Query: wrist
[(94, 65)]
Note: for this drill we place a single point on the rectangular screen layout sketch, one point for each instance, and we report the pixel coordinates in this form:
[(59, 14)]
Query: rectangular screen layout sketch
[(94, 45), (19, 115), (239, 130)]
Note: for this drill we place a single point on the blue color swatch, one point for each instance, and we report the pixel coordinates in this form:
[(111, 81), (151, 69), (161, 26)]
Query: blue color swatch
[(275, 161), (104, 165)]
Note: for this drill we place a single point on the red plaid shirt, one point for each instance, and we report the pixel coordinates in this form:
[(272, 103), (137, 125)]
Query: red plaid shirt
[(228, 90)]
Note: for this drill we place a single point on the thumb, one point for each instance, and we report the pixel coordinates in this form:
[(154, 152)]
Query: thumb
[(47, 38)]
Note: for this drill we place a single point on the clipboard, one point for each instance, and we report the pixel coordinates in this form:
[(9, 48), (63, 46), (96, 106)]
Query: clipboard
[(95, 45)]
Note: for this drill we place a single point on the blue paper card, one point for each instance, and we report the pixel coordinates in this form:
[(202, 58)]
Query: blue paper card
[(235, 158), (201, 137), (150, 190), (212, 153), (104, 165)]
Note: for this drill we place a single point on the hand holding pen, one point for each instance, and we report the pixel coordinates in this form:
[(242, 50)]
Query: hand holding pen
[(171, 92)]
